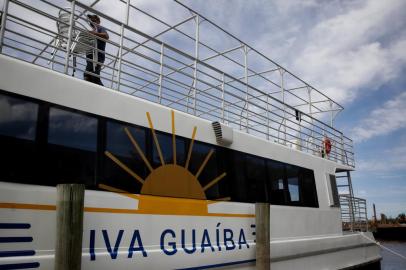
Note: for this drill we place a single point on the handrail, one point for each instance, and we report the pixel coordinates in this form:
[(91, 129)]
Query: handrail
[(154, 69), (353, 213), (205, 18)]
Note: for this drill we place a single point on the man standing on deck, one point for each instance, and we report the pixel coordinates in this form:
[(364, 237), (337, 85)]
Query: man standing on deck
[(101, 33)]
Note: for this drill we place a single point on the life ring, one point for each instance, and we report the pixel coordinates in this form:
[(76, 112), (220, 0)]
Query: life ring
[(326, 145)]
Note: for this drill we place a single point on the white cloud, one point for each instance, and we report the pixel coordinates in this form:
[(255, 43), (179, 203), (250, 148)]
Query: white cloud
[(390, 191), (382, 120), (343, 48), (349, 52)]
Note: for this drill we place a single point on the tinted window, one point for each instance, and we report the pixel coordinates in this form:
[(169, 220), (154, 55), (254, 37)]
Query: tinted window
[(119, 144), (72, 129), (276, 180), (333, 184), (292, 175), (166, 145), (256, 179), (71, 150), (236, 168), (19, 157), (205, 172), (18, 117), (309, 188)]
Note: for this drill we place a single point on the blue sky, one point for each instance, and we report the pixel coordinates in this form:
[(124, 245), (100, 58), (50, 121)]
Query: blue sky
[(354, 51)]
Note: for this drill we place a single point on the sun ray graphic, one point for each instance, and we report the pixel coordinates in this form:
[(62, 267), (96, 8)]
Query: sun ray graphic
[(168, 186)]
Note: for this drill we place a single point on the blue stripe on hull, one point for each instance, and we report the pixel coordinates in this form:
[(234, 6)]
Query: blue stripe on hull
[(217, 265), (15, 239), (16, 253), (19, 266), (15, 226)]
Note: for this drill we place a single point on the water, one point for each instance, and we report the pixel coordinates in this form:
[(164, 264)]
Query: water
[(391, 261)]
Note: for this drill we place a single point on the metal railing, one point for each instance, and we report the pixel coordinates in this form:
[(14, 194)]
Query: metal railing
[(353, 213), (176, 68)]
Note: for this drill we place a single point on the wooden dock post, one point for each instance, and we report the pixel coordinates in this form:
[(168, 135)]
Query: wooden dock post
[(262, 231), (69, 226)]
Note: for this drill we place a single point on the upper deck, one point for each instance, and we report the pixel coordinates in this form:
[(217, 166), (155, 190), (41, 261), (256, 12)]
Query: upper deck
[(189, 64)]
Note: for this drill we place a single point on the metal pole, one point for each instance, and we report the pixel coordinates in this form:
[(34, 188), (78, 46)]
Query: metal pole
[(222, 97), (332, 114), (342, 148), (309, 91), (267, 117), (120, 49), (263, 237), (196, 59), (69, 230), (351, 202), (68, 45), (3, 24), (245, 48), (161, 70), (281, 71)]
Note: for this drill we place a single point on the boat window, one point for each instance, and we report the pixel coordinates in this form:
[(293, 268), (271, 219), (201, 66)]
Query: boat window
[(72, 129), (71, 149), (18, 117), (256, 179), (292, 175), (73, 145), (235, 166), (166, 145), (334, 190), (19, 155), (309, 188), (119, 144), (276, 172), (205, 167)]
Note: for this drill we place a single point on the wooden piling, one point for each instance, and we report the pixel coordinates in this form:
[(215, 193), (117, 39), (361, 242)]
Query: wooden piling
[(69, 231), (262, 231)]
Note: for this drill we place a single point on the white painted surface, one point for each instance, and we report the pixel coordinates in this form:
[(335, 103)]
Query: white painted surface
[(293, 229)]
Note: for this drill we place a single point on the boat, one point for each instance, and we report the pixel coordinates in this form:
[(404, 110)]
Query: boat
[(175, 150)]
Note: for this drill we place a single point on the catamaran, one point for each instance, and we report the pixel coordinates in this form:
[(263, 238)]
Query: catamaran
[(192, 127)]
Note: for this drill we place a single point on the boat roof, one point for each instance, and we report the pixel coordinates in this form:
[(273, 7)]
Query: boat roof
[(187, 62)]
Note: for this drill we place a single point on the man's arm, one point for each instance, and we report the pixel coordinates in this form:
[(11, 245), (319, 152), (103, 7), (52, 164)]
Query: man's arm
[(103, 35)]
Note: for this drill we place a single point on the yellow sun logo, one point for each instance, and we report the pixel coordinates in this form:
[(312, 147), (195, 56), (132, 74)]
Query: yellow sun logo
[(166, 188)]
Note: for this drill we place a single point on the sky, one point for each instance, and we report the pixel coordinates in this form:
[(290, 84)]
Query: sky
[(354, 51)]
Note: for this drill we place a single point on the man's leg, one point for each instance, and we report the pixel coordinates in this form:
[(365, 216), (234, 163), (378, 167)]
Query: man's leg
[(97, 80), (100, 59), (89, 68)]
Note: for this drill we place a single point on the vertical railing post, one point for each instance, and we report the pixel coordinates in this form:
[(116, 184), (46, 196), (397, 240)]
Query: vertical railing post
[(268, 120), (263, 236), (194, 83), (69, 226), (120, 55), (3, 24), (366, 215), (197, 38), (245, 48), (342, 148), (309, 92), (120, 49), (222, 97), (70, 32), (332, 114), (161, 70), (281, 71)]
